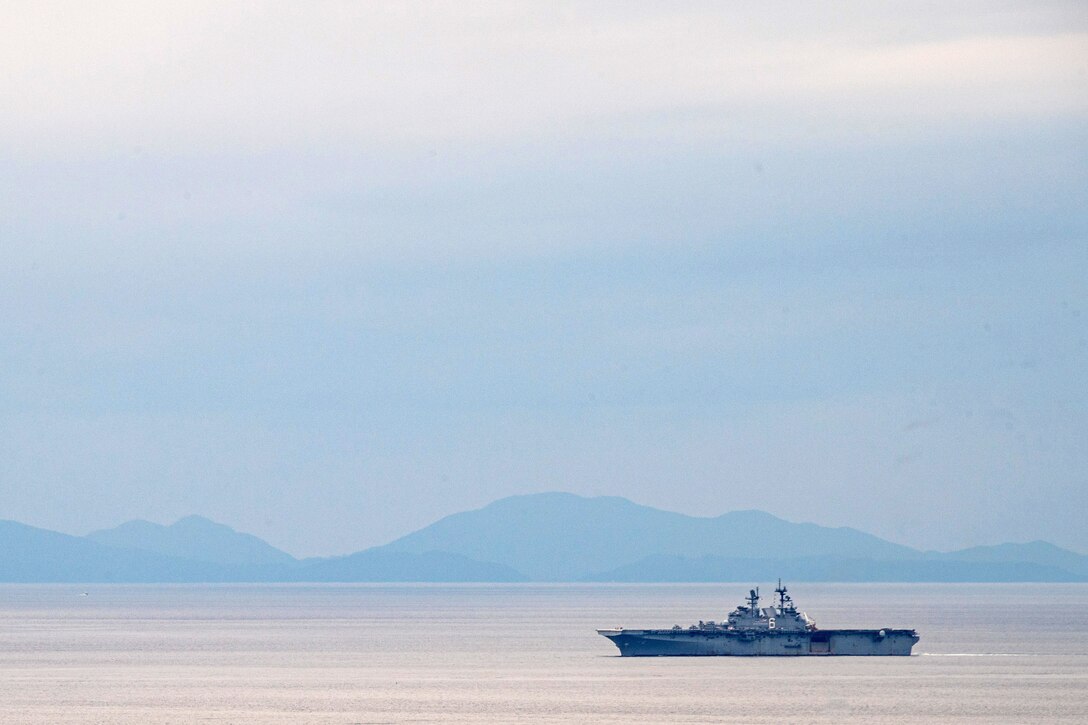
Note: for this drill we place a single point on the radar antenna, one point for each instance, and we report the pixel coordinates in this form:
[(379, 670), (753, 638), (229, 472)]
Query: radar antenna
[(753, 599), (784, 601)]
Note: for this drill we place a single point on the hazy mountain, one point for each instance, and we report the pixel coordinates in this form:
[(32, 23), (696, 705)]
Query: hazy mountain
[(1034, 552), (830, 569), (195, 538), (545, 537), (376, 565), (560, 536), (29, 554)]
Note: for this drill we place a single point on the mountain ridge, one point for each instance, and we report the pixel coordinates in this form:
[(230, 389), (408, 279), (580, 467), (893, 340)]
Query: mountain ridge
[(585, 535), (196, 538), (535, 537)]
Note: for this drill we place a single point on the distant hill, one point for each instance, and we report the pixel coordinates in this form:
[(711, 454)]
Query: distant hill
[(1035, 552), (376, 565), (33, 555), (544, 537), (29, 554), (829, 569), (187, 550), (563, 537), (195, 538)]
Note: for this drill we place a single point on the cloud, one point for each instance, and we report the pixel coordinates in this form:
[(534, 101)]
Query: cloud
[(177, 78)]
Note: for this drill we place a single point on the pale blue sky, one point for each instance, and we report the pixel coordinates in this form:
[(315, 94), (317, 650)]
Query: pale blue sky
[(327, 273)]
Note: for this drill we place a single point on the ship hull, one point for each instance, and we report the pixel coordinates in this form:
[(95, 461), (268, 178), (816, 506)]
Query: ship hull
[(696, 643)]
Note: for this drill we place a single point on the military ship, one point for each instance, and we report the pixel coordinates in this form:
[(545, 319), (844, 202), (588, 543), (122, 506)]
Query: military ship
[(751, 630)]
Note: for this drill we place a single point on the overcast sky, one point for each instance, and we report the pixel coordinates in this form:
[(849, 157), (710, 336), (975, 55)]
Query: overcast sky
[(327, 272)]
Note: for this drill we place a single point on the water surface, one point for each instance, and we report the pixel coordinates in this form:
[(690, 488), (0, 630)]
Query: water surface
[(503, 653)]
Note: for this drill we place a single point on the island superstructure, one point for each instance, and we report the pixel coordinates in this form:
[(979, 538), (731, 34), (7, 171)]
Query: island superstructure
[(751, 630)]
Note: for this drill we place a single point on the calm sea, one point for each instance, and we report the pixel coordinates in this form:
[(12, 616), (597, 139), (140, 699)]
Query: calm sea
[(508, 653)]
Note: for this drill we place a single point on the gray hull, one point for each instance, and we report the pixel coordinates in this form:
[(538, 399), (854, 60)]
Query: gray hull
[(688, 643)]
